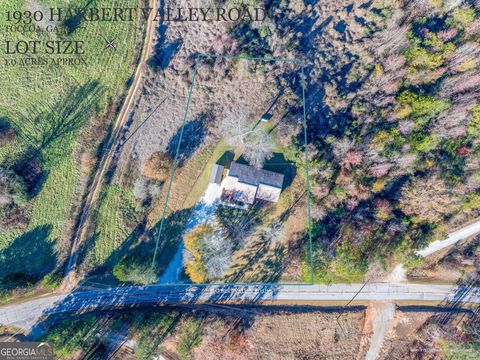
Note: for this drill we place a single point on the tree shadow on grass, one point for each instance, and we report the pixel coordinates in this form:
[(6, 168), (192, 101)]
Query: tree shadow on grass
[(66, 116), (191, 137), (28, 258), (277, 163), (136, 254), (8, 135), (73, 22), (107, 266), (170, 238), (29, 167), (239, 223), (53, 125), (262, 261), (226, 159), (272, 266)]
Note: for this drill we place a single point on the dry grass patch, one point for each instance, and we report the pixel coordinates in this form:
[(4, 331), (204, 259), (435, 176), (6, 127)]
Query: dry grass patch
[(314, 335)]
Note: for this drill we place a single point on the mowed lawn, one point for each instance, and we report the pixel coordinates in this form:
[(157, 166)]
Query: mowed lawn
[(49, 107)]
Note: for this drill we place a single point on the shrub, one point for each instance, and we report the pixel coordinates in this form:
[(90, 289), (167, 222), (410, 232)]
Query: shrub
[(474, 122), (133, 268), (264, 31), (423, 142), (321, 265), (420, 58), (189, 337), (53, 280), (196, 271), (7, 134), (350, 264), (422, 106), (473, 202), (428, 199), (461, 17), (460, 350), (380, 139), (158, 166), (194, 239), (194, 243), (380, 184)]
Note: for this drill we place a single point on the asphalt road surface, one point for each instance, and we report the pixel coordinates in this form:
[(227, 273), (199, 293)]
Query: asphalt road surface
[(454, 237), (25, 314)]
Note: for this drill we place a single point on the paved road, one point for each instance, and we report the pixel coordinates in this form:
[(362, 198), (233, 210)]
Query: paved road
[(26, 314), (454, 237)]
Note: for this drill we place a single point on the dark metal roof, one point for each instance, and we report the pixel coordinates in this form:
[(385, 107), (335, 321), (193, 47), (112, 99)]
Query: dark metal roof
[(250, 175)]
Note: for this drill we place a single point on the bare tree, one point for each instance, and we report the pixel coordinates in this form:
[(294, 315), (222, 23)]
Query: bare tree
[(351, 159), (462, 83), (452, 123), (341, 147), (259, 148), (469, 51), (273, 233), (392, 40), (5, 194), (140, 189), (428, 198), (236, 128), (257, 144), (217, 254), (379, 170), (476, 3)]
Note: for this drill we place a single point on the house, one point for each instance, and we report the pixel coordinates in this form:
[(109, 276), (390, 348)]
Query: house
[(245, 184)]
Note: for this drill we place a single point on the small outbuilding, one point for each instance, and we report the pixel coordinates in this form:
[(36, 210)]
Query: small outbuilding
[(266, 117), (217, 174)]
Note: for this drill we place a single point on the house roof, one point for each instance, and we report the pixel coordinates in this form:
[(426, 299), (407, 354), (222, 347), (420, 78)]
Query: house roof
[(250, 175), (268, 193), (242, 192)]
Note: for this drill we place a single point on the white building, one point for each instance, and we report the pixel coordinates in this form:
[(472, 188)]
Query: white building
[(245, 184)]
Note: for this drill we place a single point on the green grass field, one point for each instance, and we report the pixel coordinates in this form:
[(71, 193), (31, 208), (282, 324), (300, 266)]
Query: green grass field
[(117, 207), (49, 107)]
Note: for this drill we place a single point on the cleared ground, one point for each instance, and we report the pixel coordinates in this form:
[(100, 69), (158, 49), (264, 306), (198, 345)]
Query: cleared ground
[(221, 86)]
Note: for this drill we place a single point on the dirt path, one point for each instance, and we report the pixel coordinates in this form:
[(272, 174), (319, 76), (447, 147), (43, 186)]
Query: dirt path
[(383, 313), (94, 190)]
